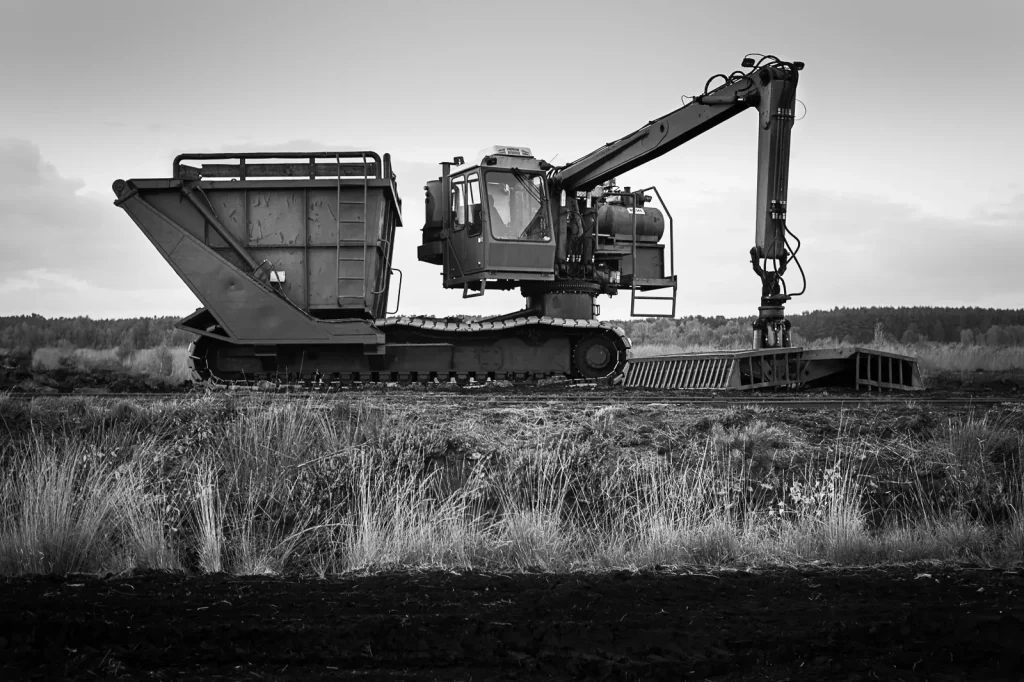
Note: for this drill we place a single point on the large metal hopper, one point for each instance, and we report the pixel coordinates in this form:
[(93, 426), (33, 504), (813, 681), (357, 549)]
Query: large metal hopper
[(297, 250)]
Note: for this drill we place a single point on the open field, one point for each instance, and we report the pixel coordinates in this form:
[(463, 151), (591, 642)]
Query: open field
[(414, 511)]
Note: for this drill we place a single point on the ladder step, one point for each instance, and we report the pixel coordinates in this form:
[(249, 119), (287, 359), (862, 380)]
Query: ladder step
[(351, 244)]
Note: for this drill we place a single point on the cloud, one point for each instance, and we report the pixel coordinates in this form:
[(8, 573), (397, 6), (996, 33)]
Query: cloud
[(57, 294), (874, 252), (36, 279), (857, 251), (65, 253)]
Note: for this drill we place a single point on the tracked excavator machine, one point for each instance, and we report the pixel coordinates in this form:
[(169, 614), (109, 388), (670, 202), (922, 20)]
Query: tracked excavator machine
[(291, 255)]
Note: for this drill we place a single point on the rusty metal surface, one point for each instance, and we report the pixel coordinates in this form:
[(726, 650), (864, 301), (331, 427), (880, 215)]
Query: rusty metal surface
[(272, 249)]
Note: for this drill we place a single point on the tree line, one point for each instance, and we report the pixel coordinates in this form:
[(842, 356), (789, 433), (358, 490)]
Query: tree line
[(28, 332), (983, 326)]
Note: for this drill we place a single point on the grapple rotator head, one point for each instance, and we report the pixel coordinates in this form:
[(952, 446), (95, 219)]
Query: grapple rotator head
[(771, 328)]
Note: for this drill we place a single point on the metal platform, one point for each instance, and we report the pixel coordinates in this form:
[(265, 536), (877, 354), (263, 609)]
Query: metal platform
[(857, 368)]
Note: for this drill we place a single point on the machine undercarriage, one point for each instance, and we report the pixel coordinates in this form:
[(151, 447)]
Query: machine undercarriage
[(428, 350)]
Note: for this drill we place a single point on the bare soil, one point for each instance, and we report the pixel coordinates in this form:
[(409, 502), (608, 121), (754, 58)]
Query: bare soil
[(999, 383), (807, 623)]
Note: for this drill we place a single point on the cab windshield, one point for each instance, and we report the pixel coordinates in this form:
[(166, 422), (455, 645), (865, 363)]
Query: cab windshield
[(516, 207)]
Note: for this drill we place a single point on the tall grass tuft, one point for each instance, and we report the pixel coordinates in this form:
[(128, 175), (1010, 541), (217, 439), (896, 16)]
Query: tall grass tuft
[(534, 529), (56, 511), (142, 522), (208, 519), (396, 518), (827, 520)]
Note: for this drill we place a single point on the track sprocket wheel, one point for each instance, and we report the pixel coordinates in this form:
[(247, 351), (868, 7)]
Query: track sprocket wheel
[(595, 356)]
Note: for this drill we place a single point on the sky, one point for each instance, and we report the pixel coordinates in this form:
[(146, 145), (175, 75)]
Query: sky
[(905, 178)]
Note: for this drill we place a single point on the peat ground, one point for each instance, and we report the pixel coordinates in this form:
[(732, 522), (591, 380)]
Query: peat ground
[(921, 622)]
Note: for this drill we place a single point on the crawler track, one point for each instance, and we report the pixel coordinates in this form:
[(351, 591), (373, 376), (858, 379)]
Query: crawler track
[(424, 350)]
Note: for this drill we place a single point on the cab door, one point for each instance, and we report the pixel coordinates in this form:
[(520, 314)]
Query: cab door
[(467, 261)]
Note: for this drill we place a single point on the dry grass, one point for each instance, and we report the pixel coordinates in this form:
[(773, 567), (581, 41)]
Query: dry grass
[(81, 359), (164, 362), (650, 349), (323, 487), (969, 358), (142, 524), (56, 511), (160, 362)]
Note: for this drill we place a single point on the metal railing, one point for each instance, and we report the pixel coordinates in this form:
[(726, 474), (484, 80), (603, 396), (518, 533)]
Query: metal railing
[(308, 168), (671, 259)]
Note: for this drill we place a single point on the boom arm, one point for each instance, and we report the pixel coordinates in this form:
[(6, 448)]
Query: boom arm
[(770, 87)]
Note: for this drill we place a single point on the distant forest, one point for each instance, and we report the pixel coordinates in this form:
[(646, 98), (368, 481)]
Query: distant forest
[(28, 332), (969, 326), (982, 326)]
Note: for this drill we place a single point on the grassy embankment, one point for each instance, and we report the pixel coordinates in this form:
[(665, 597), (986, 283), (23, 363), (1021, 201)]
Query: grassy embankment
[(319, 487)]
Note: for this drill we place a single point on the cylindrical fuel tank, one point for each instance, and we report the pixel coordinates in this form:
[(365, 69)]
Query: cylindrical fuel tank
[(617, 220)]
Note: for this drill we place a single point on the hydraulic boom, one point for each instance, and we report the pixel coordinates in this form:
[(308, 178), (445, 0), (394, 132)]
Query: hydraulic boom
[(770, 87)]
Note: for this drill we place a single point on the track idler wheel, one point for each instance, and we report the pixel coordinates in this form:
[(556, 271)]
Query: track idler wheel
[(596, 356)]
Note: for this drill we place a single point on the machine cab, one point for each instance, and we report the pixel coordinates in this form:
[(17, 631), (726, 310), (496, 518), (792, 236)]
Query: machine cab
[(490, 224)]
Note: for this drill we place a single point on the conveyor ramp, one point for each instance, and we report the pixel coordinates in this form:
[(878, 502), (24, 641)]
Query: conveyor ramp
[(856, 368)]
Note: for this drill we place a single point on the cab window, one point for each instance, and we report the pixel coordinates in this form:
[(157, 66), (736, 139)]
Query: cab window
[(515, 206), (473, 204), (459, 202)]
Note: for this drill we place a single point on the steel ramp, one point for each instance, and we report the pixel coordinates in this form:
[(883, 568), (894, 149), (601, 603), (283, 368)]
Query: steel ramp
[(857, 368), (862, 368)]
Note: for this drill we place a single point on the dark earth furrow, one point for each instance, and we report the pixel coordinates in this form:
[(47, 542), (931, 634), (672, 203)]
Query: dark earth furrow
[(808, 623)]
